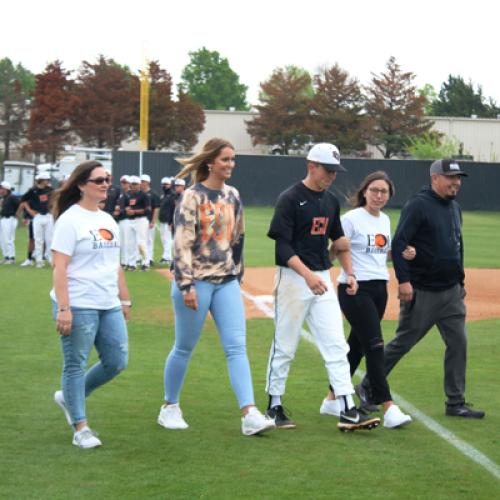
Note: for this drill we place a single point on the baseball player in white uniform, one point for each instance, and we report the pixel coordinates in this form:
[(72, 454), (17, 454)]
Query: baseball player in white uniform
[(306, 218)]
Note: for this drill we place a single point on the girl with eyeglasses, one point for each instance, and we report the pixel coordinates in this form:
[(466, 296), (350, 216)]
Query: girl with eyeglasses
[(369, 232), (90, 298)]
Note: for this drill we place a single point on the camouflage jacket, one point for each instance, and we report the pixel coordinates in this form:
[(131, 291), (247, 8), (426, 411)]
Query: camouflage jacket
[(208, 239)]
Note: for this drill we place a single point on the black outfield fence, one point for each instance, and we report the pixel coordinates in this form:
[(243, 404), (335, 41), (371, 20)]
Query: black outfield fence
[(260, 179)]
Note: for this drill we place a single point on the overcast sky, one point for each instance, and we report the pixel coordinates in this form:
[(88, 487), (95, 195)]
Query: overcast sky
[(430, 38)]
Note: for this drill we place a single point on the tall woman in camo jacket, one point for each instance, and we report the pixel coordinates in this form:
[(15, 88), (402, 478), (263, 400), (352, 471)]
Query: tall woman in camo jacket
[(208, 244)]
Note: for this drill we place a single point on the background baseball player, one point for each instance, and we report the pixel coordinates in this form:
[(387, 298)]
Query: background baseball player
[(164, 216), (306, 217), (8, 222), (37, 205), (152, 215)]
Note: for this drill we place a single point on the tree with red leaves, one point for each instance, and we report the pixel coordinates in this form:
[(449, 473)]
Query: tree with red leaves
[(337, 110), (396, 110), (52, 107), (284, 115), (108, 110)]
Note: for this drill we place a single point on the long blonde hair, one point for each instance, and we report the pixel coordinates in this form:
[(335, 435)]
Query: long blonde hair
[(197, 165)]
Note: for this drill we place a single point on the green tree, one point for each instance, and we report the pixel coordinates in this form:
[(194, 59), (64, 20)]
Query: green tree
[(16, 85), (458, 98), (338, 110), (209, 80), (432, 145), (108, 111), (429, 92), (395, 109), (284, 115), (52, 106)]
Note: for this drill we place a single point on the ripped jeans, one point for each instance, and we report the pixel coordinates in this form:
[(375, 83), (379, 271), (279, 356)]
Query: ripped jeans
[(107, 330), (364, 311)]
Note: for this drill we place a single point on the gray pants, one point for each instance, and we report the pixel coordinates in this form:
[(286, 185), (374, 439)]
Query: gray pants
[(446, 310)]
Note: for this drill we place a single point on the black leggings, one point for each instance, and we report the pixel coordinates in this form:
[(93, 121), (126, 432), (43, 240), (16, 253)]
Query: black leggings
[(364, 311)]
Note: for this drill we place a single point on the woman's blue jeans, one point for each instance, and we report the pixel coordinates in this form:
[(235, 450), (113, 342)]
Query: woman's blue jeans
[(226, 306), (107, 330)]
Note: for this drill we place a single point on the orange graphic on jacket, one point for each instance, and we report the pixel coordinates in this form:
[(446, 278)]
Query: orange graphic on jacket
[(319, 225), (216, 221)]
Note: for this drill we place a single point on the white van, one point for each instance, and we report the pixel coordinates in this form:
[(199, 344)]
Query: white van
[(19, 174)]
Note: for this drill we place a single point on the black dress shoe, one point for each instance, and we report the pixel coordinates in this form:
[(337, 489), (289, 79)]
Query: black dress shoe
[(462, 410)]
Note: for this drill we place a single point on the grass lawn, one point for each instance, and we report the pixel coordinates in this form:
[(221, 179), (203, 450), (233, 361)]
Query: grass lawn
[(212, 459)]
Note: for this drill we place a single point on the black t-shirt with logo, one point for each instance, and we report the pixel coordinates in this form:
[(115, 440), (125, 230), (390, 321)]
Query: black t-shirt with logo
[(10, 204), (138, 200), (154, 202), (303, 222), (38, 199)]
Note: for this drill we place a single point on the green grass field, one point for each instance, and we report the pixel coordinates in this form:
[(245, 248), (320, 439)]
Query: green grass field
[(212, 459)]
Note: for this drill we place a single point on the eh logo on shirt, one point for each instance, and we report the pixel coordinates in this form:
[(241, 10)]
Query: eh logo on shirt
[(319, 225)]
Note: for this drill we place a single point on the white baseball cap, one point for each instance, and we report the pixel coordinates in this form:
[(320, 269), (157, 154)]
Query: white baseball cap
[(43, 176), (328, 155), (180, 182), (125, 178), (166, 180), (134, 179), (145, 178), (5, 185)]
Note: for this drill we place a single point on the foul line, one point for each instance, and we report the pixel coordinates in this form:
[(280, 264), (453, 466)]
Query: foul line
[(262, 303)]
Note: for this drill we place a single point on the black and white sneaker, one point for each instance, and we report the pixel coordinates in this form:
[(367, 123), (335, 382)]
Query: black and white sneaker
[(355, 419), (280, 419), (463, 410), (364, 399)]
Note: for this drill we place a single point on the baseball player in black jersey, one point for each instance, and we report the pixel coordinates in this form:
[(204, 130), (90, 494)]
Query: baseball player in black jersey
[(306, 218), (8, 222), (165, 219), (152, 215), (37, 205)]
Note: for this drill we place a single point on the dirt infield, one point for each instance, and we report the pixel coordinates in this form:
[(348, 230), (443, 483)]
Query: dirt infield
[(482, 285)]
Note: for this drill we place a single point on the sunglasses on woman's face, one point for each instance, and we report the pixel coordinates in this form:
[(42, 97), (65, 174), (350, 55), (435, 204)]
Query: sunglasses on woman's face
[(99, 180)]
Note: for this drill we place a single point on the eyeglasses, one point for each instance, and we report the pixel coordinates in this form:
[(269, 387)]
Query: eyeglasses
[(100, 180), (383, 192)]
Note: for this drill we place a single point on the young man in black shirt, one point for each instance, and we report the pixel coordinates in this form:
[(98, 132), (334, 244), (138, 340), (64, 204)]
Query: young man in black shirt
[(152, 215), (165, 220), (306, 218), (8, 223), (37, 205)]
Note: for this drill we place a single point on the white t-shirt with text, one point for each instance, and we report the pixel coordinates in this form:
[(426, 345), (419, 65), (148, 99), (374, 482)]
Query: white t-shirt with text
[(91, 239), (370, 242)]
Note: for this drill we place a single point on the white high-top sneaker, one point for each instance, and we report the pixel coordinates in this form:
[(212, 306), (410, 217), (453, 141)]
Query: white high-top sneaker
[(170, 417), (254, 422)]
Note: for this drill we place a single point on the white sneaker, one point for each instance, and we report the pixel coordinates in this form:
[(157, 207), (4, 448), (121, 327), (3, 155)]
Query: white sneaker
[(40, 264), (86, 438), (394, 417), (255, 423), (330, 407), (170, 417), (59, 400), (27, 263)]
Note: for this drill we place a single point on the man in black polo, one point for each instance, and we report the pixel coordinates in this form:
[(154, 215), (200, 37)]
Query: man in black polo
[(8, 222)]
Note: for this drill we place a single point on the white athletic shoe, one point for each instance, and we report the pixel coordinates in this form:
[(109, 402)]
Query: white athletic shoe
[(330, 407), (39, 265), (170, 417), (86, 438), (394, 417), (255, 423), (27, 263), (59, 400)]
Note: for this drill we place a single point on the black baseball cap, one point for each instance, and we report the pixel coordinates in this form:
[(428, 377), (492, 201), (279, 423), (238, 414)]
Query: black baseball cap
[(447, 167)]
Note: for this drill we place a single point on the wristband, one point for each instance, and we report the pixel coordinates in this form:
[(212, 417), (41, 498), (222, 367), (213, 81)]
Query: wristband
[(63, 309), (126, 303)]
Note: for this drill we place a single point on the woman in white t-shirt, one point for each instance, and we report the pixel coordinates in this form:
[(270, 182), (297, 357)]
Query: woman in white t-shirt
[(90, 297), (369, 231)]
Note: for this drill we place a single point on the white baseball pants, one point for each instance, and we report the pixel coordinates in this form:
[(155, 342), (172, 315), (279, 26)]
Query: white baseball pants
[(138, 240), (294, 303), (43, 226), (123, 226), (166, 240), (150, 243), (8, 227)]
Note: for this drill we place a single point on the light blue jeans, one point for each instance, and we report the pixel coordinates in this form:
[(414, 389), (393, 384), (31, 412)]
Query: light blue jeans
[(107, 330), (226, 306)]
